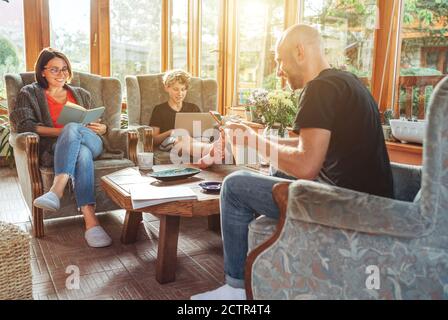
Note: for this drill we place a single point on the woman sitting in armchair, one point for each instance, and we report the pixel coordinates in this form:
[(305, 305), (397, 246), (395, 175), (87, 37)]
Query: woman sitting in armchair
[(72, 148)]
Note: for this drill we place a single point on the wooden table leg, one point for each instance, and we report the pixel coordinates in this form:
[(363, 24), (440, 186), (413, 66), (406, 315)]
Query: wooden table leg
[(130, 228), (167, 250), (214, 222)]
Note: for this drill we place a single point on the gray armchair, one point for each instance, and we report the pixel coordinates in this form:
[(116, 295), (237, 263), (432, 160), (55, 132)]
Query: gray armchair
[(35, 180), (144, 92), (333, 243)]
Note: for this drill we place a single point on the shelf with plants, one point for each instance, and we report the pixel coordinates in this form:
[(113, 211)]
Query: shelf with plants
[(407, 153)]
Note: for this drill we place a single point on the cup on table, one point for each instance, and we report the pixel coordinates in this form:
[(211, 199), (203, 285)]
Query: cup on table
[(145, 160)]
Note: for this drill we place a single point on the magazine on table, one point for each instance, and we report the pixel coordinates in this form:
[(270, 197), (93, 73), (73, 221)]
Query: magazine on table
[(145, 195)]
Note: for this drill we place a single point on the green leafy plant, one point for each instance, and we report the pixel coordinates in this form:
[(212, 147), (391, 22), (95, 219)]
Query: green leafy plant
[(5, 129), (276, 108), (124, 120), (388, 115)]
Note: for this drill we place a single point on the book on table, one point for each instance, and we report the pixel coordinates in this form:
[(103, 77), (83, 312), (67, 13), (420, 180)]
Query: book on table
[(75, 113), (145, 195)]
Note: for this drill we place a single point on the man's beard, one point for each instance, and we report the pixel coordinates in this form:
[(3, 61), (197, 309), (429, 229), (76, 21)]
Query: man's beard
[(296, 83)]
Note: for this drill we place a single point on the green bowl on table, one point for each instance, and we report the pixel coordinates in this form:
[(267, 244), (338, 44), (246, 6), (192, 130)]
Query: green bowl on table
[(175, 174)]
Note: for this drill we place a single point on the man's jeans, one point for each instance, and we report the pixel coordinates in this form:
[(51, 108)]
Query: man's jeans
[(243, 194), (75, 150)]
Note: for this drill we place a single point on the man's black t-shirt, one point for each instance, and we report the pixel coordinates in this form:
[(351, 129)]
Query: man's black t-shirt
[(357, 158), (164, 117)]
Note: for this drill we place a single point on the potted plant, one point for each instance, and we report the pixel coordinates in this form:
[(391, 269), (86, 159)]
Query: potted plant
[(6, 150), (276, 109), (388, 114)]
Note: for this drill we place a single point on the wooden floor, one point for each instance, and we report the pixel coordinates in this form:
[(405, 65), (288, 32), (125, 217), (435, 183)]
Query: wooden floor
[(117, 272)]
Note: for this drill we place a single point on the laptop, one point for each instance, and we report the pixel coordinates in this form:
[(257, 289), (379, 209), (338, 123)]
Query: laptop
[(202, 120)]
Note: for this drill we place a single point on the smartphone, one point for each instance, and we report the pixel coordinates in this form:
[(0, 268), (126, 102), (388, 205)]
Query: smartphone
[(217, 117)]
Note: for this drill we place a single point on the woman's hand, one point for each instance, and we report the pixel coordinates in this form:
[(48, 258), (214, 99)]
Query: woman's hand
[(97, 127)]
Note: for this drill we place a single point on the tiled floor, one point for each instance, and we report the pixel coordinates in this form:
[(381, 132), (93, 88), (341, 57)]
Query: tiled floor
[(117, 272)]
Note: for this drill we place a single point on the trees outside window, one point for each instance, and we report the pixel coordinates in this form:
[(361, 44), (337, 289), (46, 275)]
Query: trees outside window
[(70, 31), (12, 51), (424, 54), (348, 30), (135, 37), (260, 23), (210, 38), (179, 34)]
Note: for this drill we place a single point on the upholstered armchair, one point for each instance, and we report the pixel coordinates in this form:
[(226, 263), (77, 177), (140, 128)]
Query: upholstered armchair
[(144, 92), (35, 180), (334, 243)]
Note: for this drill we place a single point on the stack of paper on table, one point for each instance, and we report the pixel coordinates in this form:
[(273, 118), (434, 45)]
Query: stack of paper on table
[(145, 195)]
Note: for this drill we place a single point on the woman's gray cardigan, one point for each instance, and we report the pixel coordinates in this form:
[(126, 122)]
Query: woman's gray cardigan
[(32, 110)]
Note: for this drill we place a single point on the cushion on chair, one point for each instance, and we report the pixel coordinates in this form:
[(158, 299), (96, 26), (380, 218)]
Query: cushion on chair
[(407, 180), (418, 196), (260, 230)]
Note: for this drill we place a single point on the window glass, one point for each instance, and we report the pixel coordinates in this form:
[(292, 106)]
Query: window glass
[(210, 38), (179, 32), (70, 31), (135, 29), (260, 24), (12, 49), (424, 54), (348, 29)]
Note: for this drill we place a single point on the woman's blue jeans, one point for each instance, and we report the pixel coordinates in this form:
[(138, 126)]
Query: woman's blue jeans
[(243, 195), (75, 150)]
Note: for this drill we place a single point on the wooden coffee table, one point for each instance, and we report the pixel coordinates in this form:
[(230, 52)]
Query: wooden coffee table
[(117, 185)]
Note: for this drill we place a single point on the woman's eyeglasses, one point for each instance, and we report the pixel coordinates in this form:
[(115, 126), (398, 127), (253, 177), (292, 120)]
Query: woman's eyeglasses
[(56, 71)]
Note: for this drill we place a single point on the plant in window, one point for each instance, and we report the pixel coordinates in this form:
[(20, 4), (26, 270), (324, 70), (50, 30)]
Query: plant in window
[(388, 114), (5, 128), (276, 108)]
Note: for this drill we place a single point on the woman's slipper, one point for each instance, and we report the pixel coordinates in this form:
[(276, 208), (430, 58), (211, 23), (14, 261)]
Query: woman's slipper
[(96, 237), (48, 201)]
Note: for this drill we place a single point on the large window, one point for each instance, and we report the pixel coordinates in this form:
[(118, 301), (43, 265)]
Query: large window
[(179, 32), (348, 29), (12, 54), (424, 54), (70, 31), (210, 38), (135, 37), (260, 23)]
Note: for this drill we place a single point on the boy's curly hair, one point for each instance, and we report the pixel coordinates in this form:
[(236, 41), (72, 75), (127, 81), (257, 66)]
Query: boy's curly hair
[(179, 76)]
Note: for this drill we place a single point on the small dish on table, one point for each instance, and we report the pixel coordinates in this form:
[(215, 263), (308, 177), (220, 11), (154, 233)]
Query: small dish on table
[(174, 174), (211, 186)]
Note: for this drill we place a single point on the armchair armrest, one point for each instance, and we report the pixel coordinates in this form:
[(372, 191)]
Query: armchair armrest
[(27, 145), (145, 135), (125, 140), (19, 140), (346, 209), (26, 153)]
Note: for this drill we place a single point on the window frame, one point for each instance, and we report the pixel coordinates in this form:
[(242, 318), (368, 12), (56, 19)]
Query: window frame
[(37, 37)]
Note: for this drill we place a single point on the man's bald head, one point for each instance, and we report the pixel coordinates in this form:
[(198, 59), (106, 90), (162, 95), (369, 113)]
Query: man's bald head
[(301, 34), (299, 55)]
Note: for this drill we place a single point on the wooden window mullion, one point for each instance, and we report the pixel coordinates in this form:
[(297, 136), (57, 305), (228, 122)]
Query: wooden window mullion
[(100, 37), (37, 29)]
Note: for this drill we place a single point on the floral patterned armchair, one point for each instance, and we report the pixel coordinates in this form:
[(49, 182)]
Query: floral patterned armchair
[(330, 240)]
